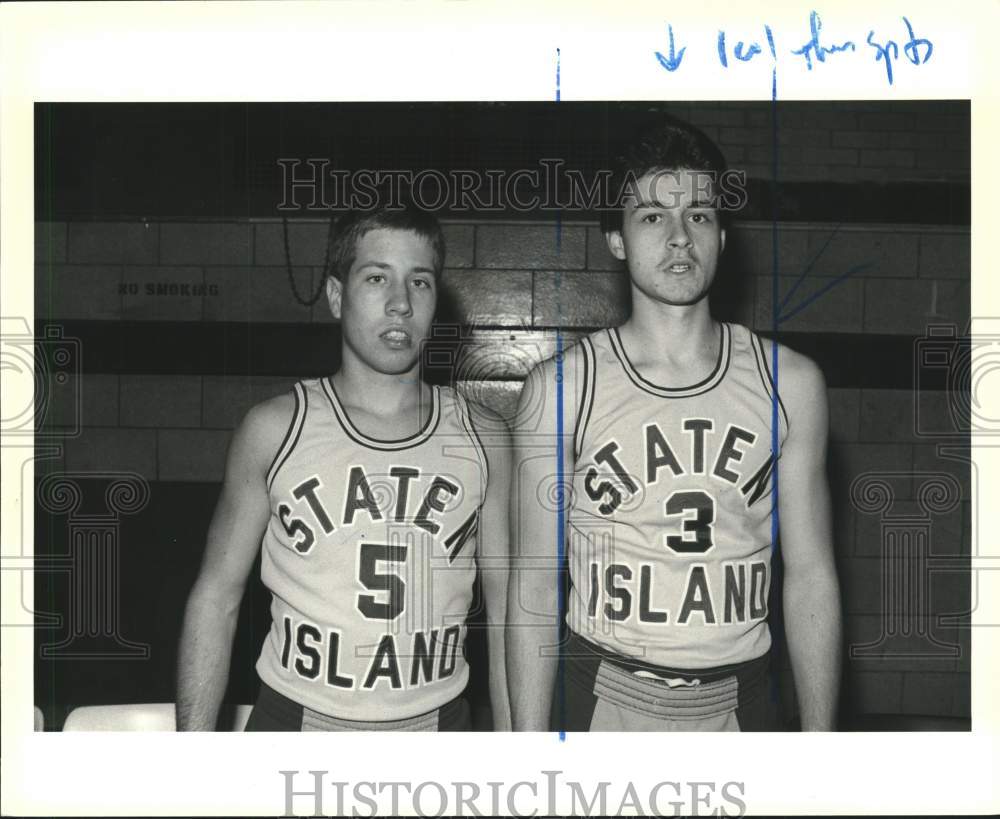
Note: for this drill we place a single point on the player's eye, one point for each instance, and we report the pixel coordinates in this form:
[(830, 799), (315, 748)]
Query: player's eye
[(421, 283), (375, 278), (700, 218), (652, 218)]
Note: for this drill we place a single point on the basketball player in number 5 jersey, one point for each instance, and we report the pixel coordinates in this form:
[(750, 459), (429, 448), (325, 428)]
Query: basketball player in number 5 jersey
[(375, 498), (687, 444)]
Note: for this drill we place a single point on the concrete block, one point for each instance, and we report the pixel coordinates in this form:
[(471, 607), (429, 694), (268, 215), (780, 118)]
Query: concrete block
[(580, 299), (196, 455), (875, 692), (887, 416), (753, 245), (78, 292), (829, 156), (951, 591), (113, 450), (876, 643), (948, 533), (859, 139), (532, 247), (844, 407), (485, 297), (870, 536), (861, 584), (226, 399), (945, 255), (160, 401), (854, 460), (883, 253), (114, 242), (908, 307), (743, 136), (811, 308), (50, 243), (206, 243), (932, 694), (888, 159), (163, 293), (259, 294), (98, 406), (306, 244), (927, 460), (460, 243)]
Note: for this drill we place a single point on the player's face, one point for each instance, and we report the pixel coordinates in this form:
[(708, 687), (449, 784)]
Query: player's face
[(671, 237), (387, 299)]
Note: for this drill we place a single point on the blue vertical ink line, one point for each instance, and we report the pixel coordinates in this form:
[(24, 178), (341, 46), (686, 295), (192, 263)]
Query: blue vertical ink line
[(558, 72), (560, 500), (775, 294)]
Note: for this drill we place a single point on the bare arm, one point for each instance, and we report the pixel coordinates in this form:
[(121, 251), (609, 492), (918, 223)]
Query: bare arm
[(493, 550), (533, 604), (811, 592), (233, 541)]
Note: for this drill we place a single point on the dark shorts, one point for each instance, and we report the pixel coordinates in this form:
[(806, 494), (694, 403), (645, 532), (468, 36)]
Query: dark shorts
[(602, 691), (275, 712)]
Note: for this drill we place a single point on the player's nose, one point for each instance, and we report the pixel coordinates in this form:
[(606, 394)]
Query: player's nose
[(398, 302), (677, 235)]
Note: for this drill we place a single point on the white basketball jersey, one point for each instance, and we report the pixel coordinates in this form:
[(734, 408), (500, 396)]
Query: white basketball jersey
[(369, 556), (670, 521)]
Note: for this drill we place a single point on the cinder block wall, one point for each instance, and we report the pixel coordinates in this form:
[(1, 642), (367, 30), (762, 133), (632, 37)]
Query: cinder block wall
[(841, 141), (517, 282)]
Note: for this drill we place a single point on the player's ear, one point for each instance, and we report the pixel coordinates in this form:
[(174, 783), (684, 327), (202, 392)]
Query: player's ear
[(334, 294), (615, 243), (722, 240)]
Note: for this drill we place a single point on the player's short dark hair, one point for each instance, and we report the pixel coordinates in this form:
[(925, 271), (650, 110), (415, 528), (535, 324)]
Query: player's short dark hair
[(352, 225), (663, 144)]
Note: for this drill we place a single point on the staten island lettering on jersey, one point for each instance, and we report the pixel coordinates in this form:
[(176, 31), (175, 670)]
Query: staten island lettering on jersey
[(310, 506), (660, 455)]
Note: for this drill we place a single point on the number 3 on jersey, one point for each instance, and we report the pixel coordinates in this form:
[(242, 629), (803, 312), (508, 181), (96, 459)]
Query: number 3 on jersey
[(698, 507), (369, 558)]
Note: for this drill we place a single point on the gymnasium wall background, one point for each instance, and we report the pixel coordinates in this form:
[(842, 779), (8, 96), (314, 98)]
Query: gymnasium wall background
[(184, 322)]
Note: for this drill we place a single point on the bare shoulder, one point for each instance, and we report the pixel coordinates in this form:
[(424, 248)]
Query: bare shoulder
[(801, 385), (545, 378), (258, 437)]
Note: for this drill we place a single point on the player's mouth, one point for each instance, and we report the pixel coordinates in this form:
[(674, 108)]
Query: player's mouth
[(679, 267), (396, 338)]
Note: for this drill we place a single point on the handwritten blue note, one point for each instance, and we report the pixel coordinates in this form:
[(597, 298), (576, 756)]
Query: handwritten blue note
[(814, 51)]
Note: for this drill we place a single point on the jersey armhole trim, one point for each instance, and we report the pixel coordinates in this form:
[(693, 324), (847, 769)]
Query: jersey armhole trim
[(586, 402), (764, 370), (465, 414), (292, 434)]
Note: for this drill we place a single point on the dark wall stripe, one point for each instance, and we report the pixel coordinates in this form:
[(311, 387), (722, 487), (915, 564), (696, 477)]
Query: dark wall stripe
[(306, 350)]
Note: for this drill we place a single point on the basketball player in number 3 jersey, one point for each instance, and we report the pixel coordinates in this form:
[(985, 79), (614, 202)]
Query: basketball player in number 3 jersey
[(688, 445), (374, 498)]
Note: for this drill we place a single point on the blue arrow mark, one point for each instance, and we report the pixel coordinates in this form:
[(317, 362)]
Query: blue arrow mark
[(672, 61)]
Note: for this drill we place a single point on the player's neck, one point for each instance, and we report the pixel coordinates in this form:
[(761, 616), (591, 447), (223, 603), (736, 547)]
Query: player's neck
[(378, 393), (682, 332)]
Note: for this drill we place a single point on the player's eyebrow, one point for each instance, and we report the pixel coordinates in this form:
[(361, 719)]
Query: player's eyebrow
[(422, 270)]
